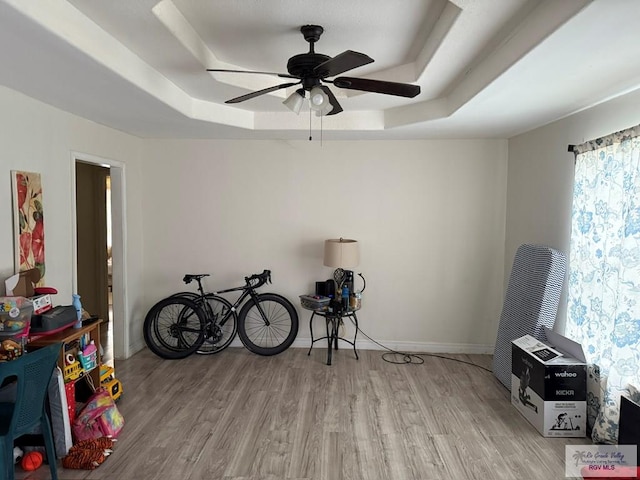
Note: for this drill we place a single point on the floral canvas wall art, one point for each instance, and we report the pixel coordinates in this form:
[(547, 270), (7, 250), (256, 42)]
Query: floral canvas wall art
[(28, 222)]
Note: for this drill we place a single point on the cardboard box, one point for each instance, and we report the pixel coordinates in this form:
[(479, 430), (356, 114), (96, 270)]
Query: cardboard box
[(549, 384), (21, 284)]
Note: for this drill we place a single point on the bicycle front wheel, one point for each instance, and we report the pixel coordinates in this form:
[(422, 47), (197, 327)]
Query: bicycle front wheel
[(221, 324), (271, 333), (174, 328)]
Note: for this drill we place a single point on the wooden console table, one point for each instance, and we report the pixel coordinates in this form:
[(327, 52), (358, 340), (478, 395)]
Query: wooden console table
[(67, 337)]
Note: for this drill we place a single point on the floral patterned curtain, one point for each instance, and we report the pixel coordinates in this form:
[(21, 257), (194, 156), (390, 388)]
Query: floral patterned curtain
[(604, 272)]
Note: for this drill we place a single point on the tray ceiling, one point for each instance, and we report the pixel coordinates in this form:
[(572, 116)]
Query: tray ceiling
[(486, 68)]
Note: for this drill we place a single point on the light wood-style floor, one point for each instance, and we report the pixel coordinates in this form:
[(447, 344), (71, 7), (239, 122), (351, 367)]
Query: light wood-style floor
[(239, 416)]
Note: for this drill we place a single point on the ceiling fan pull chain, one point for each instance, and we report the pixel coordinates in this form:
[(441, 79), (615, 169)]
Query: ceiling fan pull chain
[(309, 123)]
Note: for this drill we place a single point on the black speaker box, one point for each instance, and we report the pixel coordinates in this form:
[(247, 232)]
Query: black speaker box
[(326, 288)]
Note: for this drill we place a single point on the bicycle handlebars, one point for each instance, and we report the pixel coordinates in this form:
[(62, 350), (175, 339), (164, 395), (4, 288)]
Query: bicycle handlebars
[(262, 278)]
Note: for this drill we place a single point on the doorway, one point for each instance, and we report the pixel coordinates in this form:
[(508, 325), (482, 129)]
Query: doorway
[(99, 248), (93, 240)]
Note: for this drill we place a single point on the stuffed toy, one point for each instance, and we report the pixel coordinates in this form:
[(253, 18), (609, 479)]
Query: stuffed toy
[(88, 454)]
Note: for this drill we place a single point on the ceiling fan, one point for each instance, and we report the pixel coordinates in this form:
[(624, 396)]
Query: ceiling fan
[(312, 70)]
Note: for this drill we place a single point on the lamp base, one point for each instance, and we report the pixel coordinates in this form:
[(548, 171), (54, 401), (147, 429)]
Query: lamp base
[(342, 278), (339, 275)]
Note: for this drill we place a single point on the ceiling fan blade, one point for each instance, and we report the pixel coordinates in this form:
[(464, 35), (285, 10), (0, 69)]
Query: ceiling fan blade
[(378, 86), (332, 100), (347, 60), (257, 93), (281, 75)]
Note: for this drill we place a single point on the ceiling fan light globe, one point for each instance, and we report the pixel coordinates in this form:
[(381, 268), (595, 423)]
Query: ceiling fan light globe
[(318, 100)]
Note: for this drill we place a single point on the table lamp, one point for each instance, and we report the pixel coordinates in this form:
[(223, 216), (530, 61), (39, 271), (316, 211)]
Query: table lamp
[(343, 254)]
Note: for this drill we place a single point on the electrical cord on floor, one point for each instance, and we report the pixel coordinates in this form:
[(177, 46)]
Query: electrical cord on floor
[(411, 358)]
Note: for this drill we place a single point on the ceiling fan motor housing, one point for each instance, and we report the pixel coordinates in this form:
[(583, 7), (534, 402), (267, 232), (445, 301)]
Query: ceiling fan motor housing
[(302, 66)]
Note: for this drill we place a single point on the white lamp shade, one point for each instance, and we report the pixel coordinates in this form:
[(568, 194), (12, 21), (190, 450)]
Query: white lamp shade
[(318, 100), (341, 253), (326, 110), (295, 101)]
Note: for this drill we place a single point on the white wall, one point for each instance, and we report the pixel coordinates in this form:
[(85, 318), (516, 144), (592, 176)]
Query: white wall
[(38, 138), (231, 208), (429, 216), (540, 177)]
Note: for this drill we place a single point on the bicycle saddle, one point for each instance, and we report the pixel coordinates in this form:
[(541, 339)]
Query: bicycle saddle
[(188, 277)]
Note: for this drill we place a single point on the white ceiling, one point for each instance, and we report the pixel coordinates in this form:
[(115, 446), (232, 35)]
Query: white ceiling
[(486, 68)]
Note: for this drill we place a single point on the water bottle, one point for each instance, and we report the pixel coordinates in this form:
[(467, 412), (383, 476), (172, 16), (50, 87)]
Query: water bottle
[(345, 297), (348, 280), (78, 306)]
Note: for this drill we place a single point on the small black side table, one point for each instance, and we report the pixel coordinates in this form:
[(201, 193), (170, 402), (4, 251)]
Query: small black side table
[(333, 320)]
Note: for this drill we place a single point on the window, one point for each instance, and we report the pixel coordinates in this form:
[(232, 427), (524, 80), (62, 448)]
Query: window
[(604, 272)]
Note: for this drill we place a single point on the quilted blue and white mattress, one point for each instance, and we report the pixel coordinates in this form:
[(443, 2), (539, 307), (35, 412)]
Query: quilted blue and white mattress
[(531, 301)]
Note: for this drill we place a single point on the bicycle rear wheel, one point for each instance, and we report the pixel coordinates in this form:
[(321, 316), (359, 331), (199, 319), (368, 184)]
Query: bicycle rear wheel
[(190, 295), (174, 328), (221, 324), (274, 335)]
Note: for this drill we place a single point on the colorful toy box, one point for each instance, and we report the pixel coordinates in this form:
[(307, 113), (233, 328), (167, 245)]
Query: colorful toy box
[(15, 317)]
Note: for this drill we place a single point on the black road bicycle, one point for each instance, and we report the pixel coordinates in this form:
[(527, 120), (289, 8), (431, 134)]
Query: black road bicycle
[(206, 323)]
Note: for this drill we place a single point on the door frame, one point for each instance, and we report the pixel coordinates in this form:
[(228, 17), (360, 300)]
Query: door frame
[(121, 347)]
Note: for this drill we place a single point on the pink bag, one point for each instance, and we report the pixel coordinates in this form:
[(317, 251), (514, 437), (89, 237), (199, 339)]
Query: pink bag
[(99, 418)]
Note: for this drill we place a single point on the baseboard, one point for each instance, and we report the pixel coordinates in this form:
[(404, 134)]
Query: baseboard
[(136, 347), (364, 344)]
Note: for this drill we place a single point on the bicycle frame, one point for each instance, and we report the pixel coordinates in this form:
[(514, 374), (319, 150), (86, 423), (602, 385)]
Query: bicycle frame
[(247, 291)]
